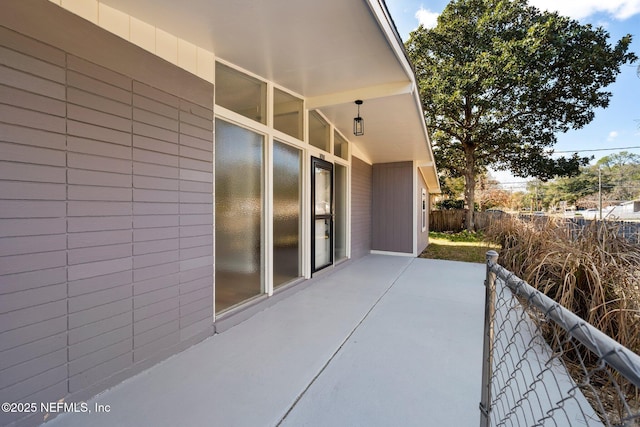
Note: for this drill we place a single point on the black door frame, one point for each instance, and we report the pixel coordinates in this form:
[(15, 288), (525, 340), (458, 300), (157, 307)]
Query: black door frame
[(323, 164)]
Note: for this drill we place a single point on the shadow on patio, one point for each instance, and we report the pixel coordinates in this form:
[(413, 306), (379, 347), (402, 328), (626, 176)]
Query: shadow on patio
[(384, 341)]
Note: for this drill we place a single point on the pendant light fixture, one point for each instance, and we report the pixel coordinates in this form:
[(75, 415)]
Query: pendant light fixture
[(358, 122)]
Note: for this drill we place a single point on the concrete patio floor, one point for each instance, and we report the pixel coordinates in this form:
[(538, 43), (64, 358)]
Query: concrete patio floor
[(385, 341)]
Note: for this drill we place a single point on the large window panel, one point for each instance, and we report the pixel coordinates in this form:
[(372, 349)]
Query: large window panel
[(239, 197), (241, 93), (287, 179)]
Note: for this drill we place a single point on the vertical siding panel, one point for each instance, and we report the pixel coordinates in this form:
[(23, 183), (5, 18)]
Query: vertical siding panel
[(361, 182), (392, 202), (32, 236)]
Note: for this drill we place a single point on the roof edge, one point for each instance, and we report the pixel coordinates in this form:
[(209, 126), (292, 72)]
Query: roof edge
[(381, 12)]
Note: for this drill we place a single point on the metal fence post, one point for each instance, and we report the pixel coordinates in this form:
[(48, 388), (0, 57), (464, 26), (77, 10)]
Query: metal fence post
[(487, 348)]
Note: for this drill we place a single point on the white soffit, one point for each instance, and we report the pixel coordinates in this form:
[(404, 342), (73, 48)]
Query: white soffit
[(313, 47), (330, 51), (393, 131)]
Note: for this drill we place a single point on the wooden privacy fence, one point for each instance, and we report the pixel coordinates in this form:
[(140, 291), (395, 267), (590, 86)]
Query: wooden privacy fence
[(454, 220), (449, 220)]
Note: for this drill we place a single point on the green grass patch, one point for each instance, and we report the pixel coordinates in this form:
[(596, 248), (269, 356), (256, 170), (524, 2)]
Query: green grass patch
[(463, 236), (464, 246)]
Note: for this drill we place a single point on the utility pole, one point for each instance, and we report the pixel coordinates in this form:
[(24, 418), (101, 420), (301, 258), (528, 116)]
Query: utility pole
[(600, 191)]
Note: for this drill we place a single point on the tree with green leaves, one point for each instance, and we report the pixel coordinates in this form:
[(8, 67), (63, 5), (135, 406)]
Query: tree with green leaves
[(616, 175), (499, 79), (571, 189), (452, 188), (621, 173)]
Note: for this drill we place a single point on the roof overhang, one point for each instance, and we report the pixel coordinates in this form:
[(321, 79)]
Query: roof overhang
[(331, 52)]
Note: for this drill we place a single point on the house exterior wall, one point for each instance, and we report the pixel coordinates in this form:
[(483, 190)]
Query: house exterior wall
[(106, 199), (360, 208), (106, 214), (392, 207)]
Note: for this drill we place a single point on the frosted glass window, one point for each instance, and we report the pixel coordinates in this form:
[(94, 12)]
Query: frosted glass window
[(318, 131), (241, 93), (341, 212), (286, 213), (340, 146), (239, 210), (287, 113)]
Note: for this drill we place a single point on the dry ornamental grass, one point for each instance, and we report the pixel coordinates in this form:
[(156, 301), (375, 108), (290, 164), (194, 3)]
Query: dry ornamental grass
[(591, 271)]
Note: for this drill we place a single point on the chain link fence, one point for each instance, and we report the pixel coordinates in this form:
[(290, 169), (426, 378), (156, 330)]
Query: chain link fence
[(545, 366), (629, 230)]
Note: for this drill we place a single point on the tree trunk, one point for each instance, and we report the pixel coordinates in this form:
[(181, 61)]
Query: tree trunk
[(469, 164), (469, 197), (469, 184)]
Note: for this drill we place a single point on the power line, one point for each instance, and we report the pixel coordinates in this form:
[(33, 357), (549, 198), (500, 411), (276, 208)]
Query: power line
[(596, 149)]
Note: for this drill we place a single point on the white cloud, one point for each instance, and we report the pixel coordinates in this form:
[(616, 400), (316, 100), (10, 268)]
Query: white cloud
[(426, 18), (612, 135), (579, 9)]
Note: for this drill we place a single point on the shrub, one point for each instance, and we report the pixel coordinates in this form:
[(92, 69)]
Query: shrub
[(449, 204)]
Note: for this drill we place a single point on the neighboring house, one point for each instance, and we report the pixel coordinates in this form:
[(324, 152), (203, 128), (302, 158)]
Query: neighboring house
[(168, 168), (625, 210), (632, 206)]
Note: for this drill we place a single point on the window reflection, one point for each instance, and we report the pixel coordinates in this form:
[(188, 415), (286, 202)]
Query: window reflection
[(241, 93), (287, 113), (340, 146), (318, 131)]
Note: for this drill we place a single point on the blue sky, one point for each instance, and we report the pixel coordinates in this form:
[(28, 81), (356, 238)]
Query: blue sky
[(616, 126)]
